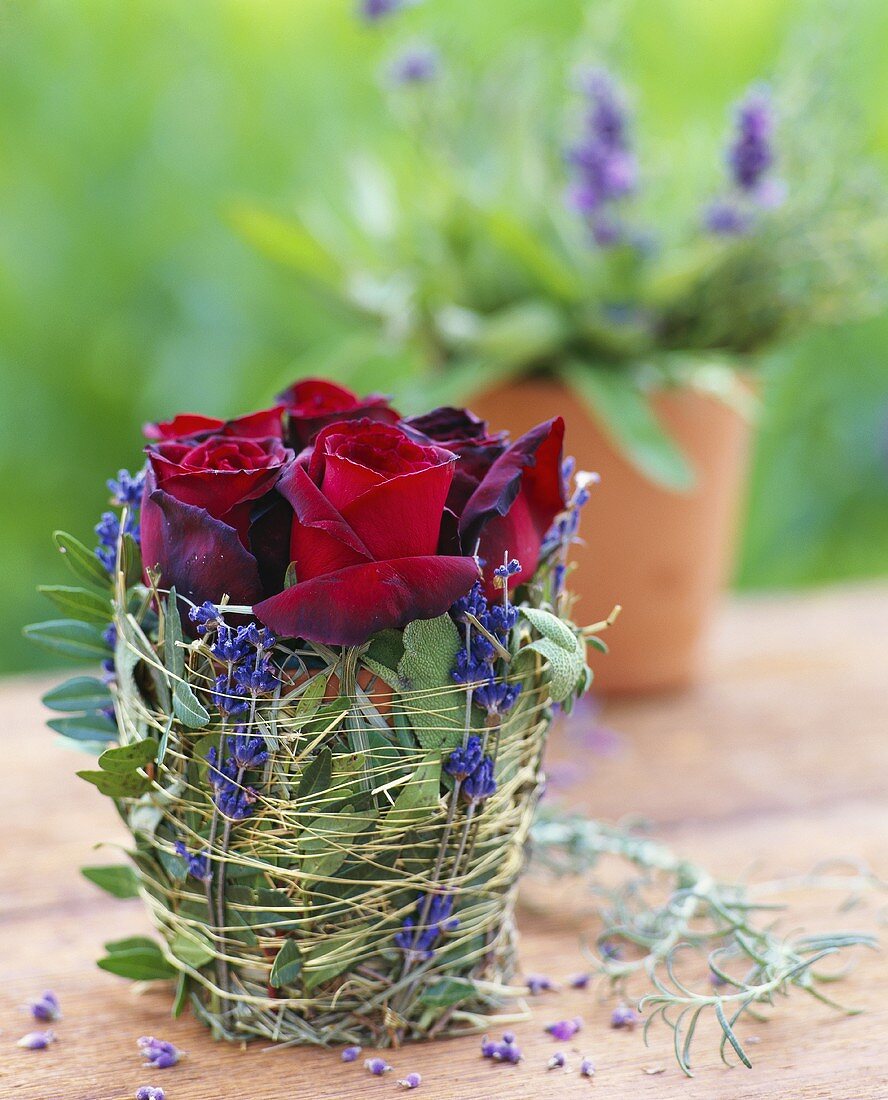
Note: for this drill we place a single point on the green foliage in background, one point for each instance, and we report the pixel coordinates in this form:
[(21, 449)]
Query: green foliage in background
[(124, 295)]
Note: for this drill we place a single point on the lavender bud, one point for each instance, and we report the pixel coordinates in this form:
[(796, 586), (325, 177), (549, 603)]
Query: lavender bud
[(377, 1066), (149, 1092), (411, 1081), (587, 1068), (557, 1061), (46, 1008), (564, 1030), (350, 1054), (624, 1017), (36, 1040), (158, 1053)]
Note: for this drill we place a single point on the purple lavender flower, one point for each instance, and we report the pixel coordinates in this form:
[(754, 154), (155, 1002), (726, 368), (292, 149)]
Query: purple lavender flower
[(497, 697), (149, 1092), (557, 1061), (197, 863), (579, 981), (206, 615), (564, 1030), (233, 799), (419, 934), (726, 218), (623, 1017), (351, 1054), (750, 154), (411, 1081), (463, 761), (251, 672), (372, 10), (46, 1009), (506, 570), (605, 169), (416, 65), (480, 785), (506, 1051), (36, 1040), (158, 1052), (126, 489), (587, 1068), (377, 1066), (538, 983), (108, 531)]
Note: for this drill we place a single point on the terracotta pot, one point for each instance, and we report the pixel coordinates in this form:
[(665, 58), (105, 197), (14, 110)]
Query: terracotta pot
[(663, 556)]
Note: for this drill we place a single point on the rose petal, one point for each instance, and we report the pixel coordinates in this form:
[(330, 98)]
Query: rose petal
[(321, 539), (202, 556), (350, 605)]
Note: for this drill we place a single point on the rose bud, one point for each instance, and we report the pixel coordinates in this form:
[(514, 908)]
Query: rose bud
[(259, 425), (198, 514), (312, 403), (368, 505), (506, 496)]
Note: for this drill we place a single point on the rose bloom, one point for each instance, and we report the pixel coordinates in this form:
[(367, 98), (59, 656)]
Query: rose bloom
[(506, 495), (367, 503), (313, 403), (259, 425), (199, 508)]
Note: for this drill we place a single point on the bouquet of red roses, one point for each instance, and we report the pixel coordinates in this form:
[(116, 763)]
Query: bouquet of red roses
[(332, 639)]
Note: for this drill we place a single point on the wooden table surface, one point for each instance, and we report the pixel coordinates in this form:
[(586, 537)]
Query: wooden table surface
[(778, 759)]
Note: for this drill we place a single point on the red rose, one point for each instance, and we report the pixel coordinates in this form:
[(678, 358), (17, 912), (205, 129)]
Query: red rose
[(506, 496), (311, 404), (258, 425), (200, 499), (367, 506)]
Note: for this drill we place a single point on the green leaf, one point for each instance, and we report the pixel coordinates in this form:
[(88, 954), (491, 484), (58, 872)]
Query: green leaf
[(287, 242), (85, 727), (82, 603), (71, 637), (173, 653), (550, 626), (121, 881), (446, 992), (181, 998), (386, 648), (565, 669), (311, 697), (128, 758), (140, 964), (316, 775), (625, 415), (542, 264), (521, 333), (132, 943), (420, 796), (188, 708), (78, 693), (328, 958), (82, 562), (327, 840), (192, 949), (287, 965), (434, 705), (118, 784)]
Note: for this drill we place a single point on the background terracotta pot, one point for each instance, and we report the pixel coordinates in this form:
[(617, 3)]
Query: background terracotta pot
[(663, 556)]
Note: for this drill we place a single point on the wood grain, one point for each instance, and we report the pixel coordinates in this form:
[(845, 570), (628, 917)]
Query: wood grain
[(778, 759)]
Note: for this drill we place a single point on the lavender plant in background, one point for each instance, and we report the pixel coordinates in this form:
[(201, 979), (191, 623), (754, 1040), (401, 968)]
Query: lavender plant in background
[(417, 64), (604, 167), (750, 158)]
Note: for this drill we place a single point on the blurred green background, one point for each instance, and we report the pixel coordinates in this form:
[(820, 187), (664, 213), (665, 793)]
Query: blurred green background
[(124, 295)]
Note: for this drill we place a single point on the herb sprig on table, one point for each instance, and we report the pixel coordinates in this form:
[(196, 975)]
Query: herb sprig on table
[(750, 964)]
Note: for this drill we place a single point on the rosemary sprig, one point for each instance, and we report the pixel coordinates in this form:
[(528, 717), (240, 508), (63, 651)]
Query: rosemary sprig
[(717, 920)]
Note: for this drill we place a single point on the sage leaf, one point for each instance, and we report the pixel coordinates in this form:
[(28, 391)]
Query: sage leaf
[(316, 775), (120, 880), (139, 963), (287, 965), (71, 637), (78, 693), (434, 705), (446, 992), (118, 784), (81, 603), (85, 727), (311, 698), (192, 949), (82, 562), (420, 796), (128, 758), (188, 708)]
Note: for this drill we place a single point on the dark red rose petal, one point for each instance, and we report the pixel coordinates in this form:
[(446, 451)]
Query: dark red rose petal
[(203, 557), (349, 606), (313, 403), (258, 425)]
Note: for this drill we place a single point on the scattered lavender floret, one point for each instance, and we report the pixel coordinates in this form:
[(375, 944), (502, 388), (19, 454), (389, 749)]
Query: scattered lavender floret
[(563, 1030), (624, 1017), (587, 1068), (377, 1066), (579, 981), (149, 1092), (46, 1008), (538, 983), (506, 1051), (351, 1054), (557, 1061), (36, 1040), (411, 1081), (158, 1052), (610, 950)]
